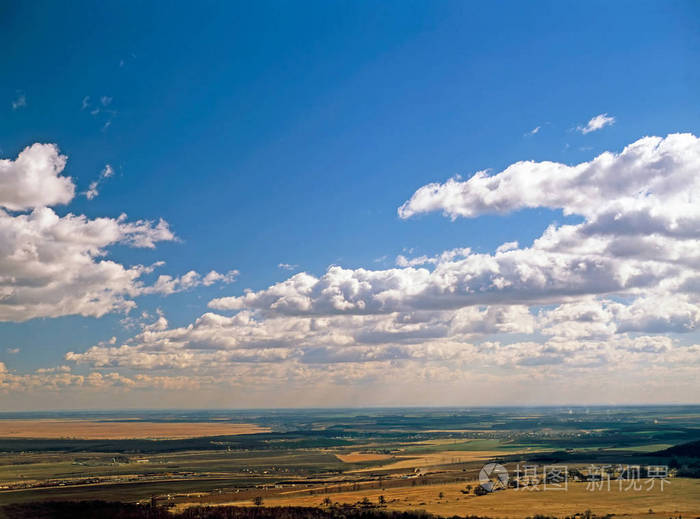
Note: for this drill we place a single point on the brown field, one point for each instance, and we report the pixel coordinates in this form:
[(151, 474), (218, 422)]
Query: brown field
[(433, 459), (681, 497), (94, 430), (359, 457)]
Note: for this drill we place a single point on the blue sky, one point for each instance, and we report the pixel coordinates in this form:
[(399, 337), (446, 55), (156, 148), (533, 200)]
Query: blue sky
[(289, 133)]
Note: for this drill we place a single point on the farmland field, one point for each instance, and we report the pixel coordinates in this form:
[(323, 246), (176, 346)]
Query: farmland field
[(123, 429), (426, 459), (682, 497)]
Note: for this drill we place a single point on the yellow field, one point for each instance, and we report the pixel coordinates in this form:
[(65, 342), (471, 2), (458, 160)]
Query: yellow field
[(423, 461), (359, 457), (679, 497), (92, 430)]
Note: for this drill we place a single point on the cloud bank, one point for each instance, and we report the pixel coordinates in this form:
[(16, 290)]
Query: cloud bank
[(614, 296)]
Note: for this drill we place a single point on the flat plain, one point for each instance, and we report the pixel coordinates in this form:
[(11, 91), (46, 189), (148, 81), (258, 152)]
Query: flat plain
[(680, 498), (122, 429), (417, 459)]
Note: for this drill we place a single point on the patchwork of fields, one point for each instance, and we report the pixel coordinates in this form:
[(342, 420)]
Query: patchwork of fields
[(422, 459)]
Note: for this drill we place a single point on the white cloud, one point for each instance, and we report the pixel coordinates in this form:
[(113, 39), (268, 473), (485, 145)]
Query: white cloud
[(215, 277), (646, 173), (403, 261), (534, 131), (92, 191), (34, 179), (60, 378), (19, 102), (55, 369), (589, 289), (55, 265), (592, 304), (526, 276), (598, 122), (287, 266), (102, 108), (509, 245), (357, 352), (166, 285), (220, 340)]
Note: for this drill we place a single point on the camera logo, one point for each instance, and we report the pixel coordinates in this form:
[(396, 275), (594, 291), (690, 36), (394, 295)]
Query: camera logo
[(493, 476)]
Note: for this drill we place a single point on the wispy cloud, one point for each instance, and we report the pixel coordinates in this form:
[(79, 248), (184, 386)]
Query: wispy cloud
[(19, 102), (287, 266), (13, 351), (93, 190), (598, 122), (100, 108), (534, 131)]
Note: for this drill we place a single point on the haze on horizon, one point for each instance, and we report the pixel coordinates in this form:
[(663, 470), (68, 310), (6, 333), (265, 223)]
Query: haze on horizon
[(349, 204)]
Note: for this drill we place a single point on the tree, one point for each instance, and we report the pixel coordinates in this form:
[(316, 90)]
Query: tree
[(382, 501), (480, 491), (327, 502), (441, 495), (258, 501)]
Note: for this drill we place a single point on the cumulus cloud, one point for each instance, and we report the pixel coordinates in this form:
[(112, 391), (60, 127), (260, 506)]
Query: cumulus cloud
[(54, 265), (34, 179), (652, 189), (220, 340), (523, 276), (505, 247), (60, 378), (598, 122), (282, 353), (647, 173), (171, 284), (588, 302)]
